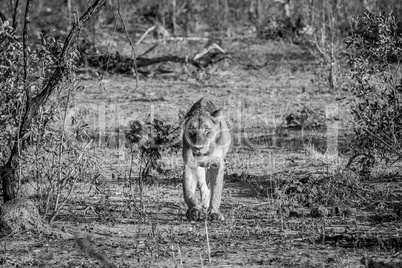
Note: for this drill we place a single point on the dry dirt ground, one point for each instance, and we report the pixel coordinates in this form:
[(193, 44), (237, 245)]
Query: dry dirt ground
[(275, 177)]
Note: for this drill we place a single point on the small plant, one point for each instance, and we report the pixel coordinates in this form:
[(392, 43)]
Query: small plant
[(55, 163), (305, 118), (151, 139), (375, 55)]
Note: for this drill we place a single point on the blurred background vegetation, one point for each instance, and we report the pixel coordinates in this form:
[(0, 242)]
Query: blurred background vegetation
[(267, 19)]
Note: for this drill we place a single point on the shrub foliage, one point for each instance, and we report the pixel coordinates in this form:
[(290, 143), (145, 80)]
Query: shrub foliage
[(45, 158), (376, 52)]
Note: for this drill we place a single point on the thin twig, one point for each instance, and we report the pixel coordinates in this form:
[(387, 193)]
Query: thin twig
[(148, 51), (145, 35), (281, 215), (61, 151), (208, 247), (133, 54), (65, 199), (25, 51), (202, 261), (180, 257), (85, 148)]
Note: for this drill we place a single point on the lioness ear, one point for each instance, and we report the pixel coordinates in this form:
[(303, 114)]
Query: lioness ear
[(217, 115)]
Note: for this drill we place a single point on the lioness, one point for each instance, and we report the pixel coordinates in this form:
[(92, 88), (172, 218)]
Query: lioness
[(206, 140)]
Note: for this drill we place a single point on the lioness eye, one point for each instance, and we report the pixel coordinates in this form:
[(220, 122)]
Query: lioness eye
[(191, 132)]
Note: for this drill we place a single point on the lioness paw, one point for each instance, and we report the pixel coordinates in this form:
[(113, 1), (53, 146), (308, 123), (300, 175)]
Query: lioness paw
[(216, 216), (194, 214)]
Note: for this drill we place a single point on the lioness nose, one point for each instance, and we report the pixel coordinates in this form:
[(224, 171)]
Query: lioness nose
[(199, 142)]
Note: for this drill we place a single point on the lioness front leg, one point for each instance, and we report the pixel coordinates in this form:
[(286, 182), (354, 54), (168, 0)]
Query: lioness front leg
[(190, 182), (215, 179), (204, 190)]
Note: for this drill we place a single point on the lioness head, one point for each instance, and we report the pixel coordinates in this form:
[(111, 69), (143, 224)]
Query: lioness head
[(201, 130)]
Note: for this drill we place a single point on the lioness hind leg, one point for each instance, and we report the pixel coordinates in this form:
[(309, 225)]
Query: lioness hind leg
[(190, 182), (215, 179)]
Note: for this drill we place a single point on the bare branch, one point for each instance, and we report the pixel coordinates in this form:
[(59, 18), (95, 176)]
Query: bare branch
[(148, 51), (133, 55), (15, 13), (144, 35), (25, 48), (57, 74), (208, 49)]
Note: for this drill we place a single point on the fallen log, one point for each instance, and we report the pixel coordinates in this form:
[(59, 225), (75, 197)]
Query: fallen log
[(117, 63)]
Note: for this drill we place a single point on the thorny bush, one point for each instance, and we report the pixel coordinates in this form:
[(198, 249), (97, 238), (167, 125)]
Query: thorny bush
[(376, 106)]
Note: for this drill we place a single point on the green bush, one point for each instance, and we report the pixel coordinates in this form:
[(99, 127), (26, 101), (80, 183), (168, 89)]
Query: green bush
[(376, 106)]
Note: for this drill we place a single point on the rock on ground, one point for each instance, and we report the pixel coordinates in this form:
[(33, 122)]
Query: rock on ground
[(20, 214)]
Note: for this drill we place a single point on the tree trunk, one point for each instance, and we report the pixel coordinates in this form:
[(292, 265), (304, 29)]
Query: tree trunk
[(8, 171), (7, 174)]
